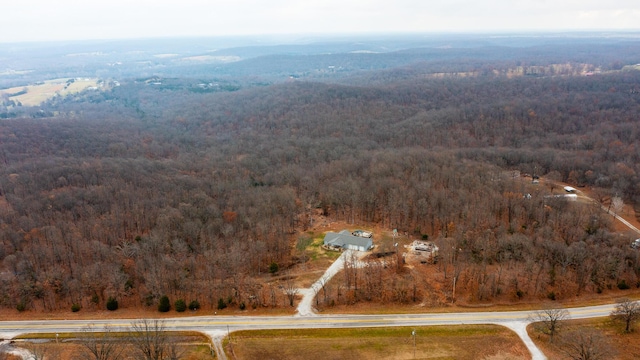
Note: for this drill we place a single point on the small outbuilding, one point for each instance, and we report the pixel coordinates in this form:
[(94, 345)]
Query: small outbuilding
[(569, 189), (345, 240)]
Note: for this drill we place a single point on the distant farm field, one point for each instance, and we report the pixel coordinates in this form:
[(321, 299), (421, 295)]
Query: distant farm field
[(435, 342), (33, 95)]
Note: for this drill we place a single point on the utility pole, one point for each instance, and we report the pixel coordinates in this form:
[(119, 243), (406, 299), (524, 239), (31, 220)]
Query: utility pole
[(229, 336), (397, 259), (413, 333), (453, 296)]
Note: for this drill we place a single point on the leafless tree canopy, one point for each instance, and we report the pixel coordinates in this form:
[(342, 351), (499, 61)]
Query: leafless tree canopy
[(549, 320), (101, 344), (626, 311), (40, 350), (586, 345), (151, 342), (291, 290)]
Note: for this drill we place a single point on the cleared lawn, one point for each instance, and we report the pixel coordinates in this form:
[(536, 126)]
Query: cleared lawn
[(435, 342), (624, 346)]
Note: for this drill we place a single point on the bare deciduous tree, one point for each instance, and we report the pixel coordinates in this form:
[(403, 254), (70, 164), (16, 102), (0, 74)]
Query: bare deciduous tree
[(102, 345), (554, 177), (617, 204), (585, 345), (626, 311), (40, 350), (174, 351), (291, 290), (549, 319), (150, 340), (323, 281)]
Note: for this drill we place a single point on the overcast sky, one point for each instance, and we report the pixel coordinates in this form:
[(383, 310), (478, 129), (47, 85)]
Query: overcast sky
[(35, 20)]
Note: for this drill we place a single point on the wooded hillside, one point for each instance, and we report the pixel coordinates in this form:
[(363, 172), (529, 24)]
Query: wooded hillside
[(138, 192)]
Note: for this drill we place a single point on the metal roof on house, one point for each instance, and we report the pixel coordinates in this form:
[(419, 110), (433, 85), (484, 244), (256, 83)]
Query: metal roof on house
[(344, 238)]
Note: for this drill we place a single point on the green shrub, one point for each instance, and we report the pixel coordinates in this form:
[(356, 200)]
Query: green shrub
[(164, 305), (180, 305), (128, 285), (75, 307), (194, 305), (273, 267), (242, 306), (21, 306), (551, 295), (112, 304), (622, 285), (221, 304)]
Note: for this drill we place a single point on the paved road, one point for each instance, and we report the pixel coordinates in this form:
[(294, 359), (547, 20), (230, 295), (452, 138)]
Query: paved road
[(211, 323), (515, 320)]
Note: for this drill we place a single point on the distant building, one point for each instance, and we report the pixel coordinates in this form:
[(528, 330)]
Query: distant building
[(345, 240), (569, 189)]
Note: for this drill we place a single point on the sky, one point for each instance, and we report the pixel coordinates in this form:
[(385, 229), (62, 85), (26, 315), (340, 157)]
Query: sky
[(46, 20)]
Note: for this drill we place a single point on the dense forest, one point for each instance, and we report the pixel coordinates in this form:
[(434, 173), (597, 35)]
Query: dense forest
[(144, 190)]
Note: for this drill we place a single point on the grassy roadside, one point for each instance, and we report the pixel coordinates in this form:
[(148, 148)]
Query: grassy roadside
[(192, 345), (191, 335), (377, 309), (433, 342)]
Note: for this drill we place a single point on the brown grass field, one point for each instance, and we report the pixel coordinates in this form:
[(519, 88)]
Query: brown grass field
[(36, 94), (488, 342), (194, 346)]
